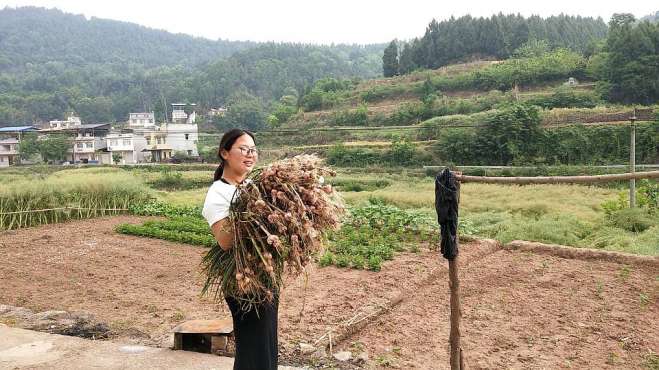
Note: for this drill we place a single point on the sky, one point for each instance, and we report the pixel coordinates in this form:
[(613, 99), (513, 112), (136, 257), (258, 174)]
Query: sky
[(321, 22)]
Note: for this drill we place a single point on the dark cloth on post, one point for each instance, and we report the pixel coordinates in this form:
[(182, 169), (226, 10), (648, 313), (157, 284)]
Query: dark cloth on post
[(255, 332), (447, 193)]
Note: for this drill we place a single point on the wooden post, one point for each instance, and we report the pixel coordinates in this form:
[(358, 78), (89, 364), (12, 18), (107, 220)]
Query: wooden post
[(454, 285), (454, 338), (632, 161)]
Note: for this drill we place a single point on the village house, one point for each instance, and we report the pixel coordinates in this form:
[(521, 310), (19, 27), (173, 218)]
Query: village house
[(146, 141), (89, 144), (10, 138)]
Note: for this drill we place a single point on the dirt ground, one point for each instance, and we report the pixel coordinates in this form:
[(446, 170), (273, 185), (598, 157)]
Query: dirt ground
[(520, 310)]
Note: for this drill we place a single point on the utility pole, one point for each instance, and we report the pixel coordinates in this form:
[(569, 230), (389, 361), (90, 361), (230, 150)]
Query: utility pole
[(632, 160)]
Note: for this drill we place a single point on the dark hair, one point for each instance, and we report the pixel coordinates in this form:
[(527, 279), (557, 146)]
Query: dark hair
[(227, 141)]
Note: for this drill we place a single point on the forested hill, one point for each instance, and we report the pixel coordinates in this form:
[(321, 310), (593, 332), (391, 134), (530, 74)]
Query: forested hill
[(53, 62), (37, 35), (497, 37)]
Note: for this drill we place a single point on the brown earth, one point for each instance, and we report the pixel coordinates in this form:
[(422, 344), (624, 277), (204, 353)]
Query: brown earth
[(520, 310)]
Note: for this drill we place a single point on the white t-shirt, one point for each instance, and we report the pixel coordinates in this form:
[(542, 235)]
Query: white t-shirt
[(218, 200)]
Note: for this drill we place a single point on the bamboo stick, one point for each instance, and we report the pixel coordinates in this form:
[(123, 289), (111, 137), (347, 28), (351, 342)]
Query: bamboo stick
[(559, 179)]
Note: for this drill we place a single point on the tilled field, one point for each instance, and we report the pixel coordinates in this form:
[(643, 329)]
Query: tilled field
[(520, 310)]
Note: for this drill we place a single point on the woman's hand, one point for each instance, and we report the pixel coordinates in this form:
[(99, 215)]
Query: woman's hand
[(223, 233)]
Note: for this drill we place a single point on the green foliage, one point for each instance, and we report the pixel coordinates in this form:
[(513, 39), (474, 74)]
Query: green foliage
[(498, 36), (372, 234), (400, 153), (180, 236), (512, 133), (55, 148), (566, 97), (116, 158), (359, 185), (377, 93), (91, 67), (324, 94), (532, 48), (632, 219), (158, 208), (557, 65), (390, 60), (243, 111), (355, 117), (47, 200), (629, 66)]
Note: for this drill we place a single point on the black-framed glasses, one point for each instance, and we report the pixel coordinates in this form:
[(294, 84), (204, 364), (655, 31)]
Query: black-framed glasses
[(245, 150)]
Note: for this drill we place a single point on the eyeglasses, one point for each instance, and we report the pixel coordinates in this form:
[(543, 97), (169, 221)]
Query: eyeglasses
[(245, 150)]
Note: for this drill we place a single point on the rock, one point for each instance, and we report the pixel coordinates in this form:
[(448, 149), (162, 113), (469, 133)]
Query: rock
[(52, 315), (306, 348), (343, 356), (5, 308)]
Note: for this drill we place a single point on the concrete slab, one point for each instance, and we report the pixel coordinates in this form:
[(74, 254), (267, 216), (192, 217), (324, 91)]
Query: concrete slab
[(23, 349)]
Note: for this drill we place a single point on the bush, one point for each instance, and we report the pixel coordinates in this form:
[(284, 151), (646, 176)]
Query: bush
[(357, 117), (559, 64), (632, 219), (566, 97)]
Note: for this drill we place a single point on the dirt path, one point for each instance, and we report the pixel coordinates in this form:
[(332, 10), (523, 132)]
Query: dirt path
[(520, 310), (527, 311)]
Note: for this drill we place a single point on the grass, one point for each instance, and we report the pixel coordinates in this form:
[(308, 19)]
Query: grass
[(93, 191), (556, 214)]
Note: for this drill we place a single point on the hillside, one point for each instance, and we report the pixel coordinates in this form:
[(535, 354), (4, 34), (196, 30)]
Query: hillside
[(53, 62), (543, 110), (38, 35)]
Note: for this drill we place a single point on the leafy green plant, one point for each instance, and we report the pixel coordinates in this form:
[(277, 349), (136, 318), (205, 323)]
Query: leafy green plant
[(632, 219), (186, 237), (374, 233)]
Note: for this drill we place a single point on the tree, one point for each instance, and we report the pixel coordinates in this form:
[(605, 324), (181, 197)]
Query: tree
[(512, 135), (390, 60), (244, 111), (631, 68), (28, 148), (55, 147), (116, 158)]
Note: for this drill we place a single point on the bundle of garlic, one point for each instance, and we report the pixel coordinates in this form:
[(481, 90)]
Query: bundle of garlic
[(278, 219)]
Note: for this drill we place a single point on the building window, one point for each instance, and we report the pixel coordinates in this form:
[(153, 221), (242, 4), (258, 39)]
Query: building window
[(187, 136), (189, 152), (126, 142), (89, 145), (79, 145)]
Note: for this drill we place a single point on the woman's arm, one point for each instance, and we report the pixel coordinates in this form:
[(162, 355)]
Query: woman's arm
[(223, 233)]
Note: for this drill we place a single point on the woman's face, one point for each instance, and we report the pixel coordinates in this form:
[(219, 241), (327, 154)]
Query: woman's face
[(242, 156)]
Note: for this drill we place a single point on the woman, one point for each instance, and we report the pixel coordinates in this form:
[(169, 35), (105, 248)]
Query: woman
[(255, 331)]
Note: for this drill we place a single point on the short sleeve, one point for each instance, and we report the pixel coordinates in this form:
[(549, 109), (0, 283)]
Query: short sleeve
[(217, 203)]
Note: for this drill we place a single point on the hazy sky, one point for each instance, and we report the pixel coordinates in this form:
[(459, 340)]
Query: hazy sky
[(338, 21)]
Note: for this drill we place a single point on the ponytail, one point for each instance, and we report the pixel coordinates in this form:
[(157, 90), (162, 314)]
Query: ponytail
[(218, 171)]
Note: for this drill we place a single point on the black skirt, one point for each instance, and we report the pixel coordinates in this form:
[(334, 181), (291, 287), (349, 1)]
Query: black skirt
[(255, 332)]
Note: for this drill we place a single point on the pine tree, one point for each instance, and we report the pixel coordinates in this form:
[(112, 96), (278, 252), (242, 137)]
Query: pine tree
[(390, 65)]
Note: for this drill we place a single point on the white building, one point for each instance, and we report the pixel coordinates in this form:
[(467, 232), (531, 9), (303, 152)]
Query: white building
[(179, 115), (182, 138), (122, 144), (141, 120), (10, 138), (71, 122), (8, 152), (88, 140)]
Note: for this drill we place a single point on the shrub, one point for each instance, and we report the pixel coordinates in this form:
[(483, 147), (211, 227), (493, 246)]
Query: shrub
[(632, 219)]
